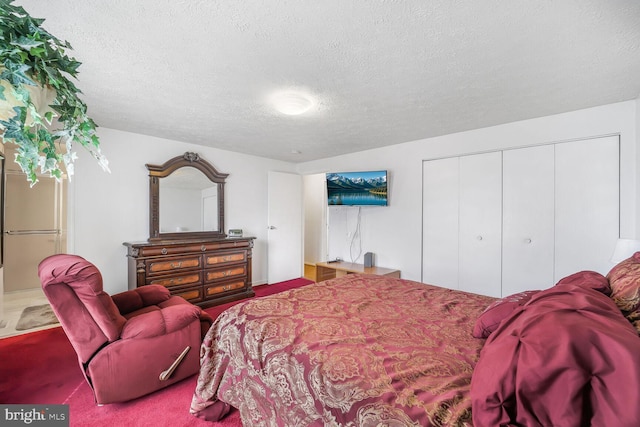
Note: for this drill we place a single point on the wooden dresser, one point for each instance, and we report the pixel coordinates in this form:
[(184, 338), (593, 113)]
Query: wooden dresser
[(204, 271)]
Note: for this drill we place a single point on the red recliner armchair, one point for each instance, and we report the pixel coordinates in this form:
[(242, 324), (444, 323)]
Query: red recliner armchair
[(129, 344)]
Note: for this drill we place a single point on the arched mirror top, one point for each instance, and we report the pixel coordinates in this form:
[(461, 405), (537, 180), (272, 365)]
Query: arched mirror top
[(188, 159), (186, 199)]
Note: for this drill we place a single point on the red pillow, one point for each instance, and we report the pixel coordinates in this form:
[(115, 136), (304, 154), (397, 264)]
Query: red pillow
[(491, 317), (588, 279)]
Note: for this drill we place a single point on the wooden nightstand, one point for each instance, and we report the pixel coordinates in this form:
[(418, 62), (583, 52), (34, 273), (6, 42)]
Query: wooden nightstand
[(331, 270)]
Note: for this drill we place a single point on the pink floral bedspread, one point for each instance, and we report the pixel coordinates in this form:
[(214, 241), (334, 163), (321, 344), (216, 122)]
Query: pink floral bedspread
[(359, 350)]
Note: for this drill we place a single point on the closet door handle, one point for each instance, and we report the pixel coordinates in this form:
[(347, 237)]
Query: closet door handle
[(527, 240)]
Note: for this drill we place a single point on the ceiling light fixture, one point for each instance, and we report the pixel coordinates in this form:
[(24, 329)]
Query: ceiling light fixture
[(292, 103)]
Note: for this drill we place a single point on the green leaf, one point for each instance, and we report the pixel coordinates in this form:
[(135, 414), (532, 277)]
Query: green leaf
[(37, 51), (26, 43), (48, 116), (15, 73), (13, 130), (21, 94)]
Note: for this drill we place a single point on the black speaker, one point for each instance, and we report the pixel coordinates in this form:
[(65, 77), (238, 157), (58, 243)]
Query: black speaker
[(368, 259)]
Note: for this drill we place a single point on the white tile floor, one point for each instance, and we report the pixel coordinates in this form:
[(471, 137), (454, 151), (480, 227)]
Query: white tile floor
[(13, 304)]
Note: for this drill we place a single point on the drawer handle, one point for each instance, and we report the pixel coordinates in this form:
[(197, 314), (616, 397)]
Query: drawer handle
[(177, 265), (227, 258), (226, 288), (226, 273), (203, 248)]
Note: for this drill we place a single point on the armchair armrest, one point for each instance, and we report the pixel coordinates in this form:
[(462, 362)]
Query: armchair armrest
[(205, 318), (160, 322), (135, 299)]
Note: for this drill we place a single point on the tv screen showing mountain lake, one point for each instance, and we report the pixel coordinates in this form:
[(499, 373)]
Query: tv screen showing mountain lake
[(357, 188)]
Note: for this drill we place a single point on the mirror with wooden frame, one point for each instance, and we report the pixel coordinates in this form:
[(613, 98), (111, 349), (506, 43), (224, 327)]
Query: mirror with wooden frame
[(186, 199)]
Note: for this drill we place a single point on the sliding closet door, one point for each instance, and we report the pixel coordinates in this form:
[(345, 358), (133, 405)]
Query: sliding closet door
[(587, 199), (504, 222), (440, 222), (480, 227), (462, 214), (527, 228)]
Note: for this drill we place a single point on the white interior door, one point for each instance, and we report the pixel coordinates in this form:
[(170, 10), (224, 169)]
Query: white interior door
[(528, 219), (587, 201), (284, 240)]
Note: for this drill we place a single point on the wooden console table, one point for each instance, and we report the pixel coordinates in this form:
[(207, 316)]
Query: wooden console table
[(331, 270)]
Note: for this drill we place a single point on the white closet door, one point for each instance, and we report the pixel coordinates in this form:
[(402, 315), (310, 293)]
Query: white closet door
[(527, 228), (480, 217), (587, 204), (440, 223)]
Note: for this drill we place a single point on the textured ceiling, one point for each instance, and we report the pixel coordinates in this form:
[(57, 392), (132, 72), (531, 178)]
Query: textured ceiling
[(383, 72)]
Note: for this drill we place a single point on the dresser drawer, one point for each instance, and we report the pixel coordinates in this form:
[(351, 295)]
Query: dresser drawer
[(224, 258), (164, 265), (225, 273), (190, 294), (171, 249), (232, 285), (177, 280)]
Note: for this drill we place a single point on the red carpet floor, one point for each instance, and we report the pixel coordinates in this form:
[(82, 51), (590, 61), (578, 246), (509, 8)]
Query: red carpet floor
[(41, 367)]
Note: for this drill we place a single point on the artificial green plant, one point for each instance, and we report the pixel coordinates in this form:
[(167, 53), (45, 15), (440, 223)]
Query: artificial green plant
[(32, 61)]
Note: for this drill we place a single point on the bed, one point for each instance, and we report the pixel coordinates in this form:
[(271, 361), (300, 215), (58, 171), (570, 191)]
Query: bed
[(365, 350)]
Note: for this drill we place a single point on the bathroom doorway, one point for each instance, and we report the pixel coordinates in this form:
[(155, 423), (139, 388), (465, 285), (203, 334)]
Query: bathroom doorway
[(34, 227)]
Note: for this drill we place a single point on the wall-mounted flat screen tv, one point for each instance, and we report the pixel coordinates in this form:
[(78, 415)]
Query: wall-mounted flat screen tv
[(367, 188)]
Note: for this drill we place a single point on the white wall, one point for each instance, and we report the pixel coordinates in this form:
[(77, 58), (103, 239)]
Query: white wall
[(393, 233), (106, 210)]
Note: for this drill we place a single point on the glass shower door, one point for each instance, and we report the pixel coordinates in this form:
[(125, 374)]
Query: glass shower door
[(34, 221)]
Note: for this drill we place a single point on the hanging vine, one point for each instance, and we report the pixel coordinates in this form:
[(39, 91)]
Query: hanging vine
[(40, 110)]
